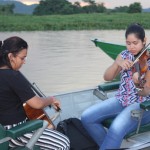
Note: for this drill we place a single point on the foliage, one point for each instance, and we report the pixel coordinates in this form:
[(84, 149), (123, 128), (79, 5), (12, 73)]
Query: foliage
[(49, 7), (6, 9), (135, 8), (94, 8), (91, 2), (53, 7), (121, 9), (101, 8), (94, 21)]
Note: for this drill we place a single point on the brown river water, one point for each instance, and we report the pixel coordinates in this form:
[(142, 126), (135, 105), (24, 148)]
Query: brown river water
[(63, 61)]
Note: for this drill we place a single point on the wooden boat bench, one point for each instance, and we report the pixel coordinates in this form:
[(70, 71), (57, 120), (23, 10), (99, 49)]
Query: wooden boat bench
[(34, 125), (101, 93)]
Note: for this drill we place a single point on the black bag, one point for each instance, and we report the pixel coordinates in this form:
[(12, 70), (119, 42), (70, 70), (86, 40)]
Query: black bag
[(78, 136)]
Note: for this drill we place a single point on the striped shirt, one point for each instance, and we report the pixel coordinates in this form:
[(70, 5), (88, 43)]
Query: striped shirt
[(49, 140)]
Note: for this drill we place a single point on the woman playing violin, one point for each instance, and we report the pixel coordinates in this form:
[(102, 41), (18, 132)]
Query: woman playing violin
[(127, 98)]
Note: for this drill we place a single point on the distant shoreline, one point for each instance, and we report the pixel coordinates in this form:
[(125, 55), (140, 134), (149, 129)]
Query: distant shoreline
[(95, 21)]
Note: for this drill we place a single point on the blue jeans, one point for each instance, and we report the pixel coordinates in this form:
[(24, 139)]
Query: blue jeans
[(122, 124)]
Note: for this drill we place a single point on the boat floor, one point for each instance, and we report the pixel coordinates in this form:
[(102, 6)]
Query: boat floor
[(74, 103), (136, 142)]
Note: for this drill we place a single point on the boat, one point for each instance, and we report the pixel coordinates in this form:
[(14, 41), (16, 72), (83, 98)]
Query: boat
[(111, 49), (73, 103)]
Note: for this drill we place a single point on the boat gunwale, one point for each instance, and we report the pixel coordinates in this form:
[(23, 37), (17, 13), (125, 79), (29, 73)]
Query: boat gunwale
[(97, 40), (76, 91)]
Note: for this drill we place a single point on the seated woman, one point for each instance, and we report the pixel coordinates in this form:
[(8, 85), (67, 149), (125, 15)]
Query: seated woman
[(127, 97), (15, 90)]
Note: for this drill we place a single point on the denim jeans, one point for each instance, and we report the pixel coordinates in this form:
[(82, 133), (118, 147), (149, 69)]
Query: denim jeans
[(122, 124)]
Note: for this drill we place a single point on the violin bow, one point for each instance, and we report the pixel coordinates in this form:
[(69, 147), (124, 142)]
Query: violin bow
[(141, 53)]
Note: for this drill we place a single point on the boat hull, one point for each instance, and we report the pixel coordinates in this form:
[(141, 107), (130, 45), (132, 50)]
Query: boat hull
[(112, 50)]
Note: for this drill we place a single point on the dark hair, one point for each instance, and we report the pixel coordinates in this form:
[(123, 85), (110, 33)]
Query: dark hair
[(136, 29), (11, 45)]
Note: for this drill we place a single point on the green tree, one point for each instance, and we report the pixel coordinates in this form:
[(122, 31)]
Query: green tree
[(94, 7), (91, 2), (121, 9), (135, 8), (7, 9), (77, 7), (77, 4), (48, 7), (101, 8)]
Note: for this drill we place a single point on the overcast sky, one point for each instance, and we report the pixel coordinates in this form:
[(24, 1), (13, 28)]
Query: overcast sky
[(108, 3)]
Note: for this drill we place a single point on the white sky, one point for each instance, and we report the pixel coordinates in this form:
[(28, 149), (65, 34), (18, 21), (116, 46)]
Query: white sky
[(108, 3)]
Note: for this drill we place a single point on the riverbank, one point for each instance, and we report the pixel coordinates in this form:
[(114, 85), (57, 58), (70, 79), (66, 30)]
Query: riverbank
[(97, 21)]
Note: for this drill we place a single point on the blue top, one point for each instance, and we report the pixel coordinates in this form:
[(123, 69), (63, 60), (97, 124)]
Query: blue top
[(127, 93)]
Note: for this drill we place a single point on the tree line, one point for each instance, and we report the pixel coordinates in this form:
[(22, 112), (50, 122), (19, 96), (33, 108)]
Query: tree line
[(64, 7), (48, 7), (7, 9)]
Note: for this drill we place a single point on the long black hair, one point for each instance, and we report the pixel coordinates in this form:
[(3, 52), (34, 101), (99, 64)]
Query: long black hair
[(11, 45)]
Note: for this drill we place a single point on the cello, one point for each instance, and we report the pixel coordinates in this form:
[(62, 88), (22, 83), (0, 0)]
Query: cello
[(33, 113)]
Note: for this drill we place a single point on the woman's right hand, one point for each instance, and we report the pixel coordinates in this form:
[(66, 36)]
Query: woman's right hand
[(125, 64), (55, 103), (118, 65)]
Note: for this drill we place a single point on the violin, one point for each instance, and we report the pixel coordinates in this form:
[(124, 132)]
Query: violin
[(143, 54), (140, 65)]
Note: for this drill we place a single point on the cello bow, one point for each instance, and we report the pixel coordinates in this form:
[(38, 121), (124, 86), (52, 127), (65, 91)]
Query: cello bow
[(42, 114)]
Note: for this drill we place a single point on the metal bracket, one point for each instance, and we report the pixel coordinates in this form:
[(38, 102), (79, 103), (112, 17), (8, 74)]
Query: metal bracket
[(137, 114)]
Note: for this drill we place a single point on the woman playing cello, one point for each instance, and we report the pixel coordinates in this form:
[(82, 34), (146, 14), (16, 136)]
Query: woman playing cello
[(15, 90)]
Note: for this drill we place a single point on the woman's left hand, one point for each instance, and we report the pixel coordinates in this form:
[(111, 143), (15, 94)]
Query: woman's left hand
[(135, 77)]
